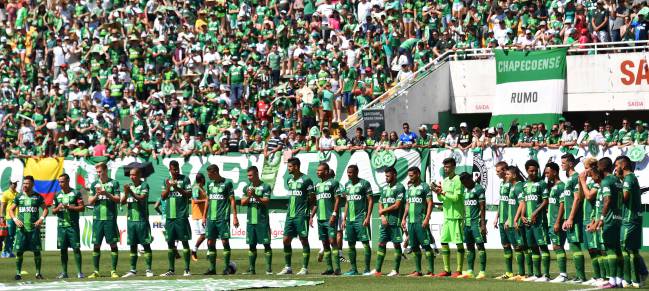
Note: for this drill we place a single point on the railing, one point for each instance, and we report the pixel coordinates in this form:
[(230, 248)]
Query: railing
[(483, 53)]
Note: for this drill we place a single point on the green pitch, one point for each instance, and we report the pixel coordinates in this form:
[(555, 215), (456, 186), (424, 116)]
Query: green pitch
[(51, 268)]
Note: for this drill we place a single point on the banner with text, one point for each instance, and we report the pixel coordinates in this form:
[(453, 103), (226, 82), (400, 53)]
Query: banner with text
[(529, 86)]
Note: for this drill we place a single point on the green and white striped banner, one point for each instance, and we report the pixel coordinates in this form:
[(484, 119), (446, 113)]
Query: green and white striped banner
[(529, 86)]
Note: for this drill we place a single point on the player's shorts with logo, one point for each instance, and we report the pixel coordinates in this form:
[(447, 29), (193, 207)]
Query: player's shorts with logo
[(504, 238), (390, 233), (178, 230), (217, 229), (105, 229), (452, 231), (138, 233), (27, 240), (575, 235), (591, 240), (557, 238), (536, 234), (355, 231), (326, 231), (417, 235), (257, 233), (296, 226), (472, 234), (611, 234), (68, 237), (631, 234), (517, 236)]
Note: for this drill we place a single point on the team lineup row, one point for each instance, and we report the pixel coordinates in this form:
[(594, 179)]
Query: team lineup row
[(597, 211)]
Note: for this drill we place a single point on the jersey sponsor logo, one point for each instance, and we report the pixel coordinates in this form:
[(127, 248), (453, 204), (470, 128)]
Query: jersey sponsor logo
[(295, 193), (566, 193), (415, 200), (216, 197), (471, 202), (504, 198), (30, 209), (354, 197), (553, 200), (175, 194), (130, 200), (511, 201), (388, 200), (531, 198), (323, 196)]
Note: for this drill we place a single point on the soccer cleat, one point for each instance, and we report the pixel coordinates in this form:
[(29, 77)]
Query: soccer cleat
[(18, 277), (351, 273), (337, 273), (250, 272), (367, 273), (559, 279), (62, 276), (327, 273), (505, 276), (415, 274), (94, 275), (303, 271), (39, 276), (517, 278), (542, 279), (168, 274), (635, 285), (466, 275), (130, 273), (81, 275), (600, 282), (187, 273), (456, 274), (113, 274), (210, 272), (194, 256), (393, 273), (531, 279), (286, 271), (269, 272), (589, 282), (429, 275), (442, 274), (149, 273), (576, 281), (608, 286), (481, 276)]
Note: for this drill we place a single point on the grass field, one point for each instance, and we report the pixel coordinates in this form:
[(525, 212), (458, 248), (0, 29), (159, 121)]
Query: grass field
[(51, 268)]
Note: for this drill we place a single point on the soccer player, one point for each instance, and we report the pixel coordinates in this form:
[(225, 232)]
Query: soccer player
[(515, 231), (556, 235), (533, 205), (631, 230), (138, 229), (390, 210), (416, 218), (67, 205), (607, 220), (451, 194), (502, 217), (475, 228), (6, 200), (591, 237), (176, 191), (220, 203), (199, 203), (572, 202), (104, 196), (358, 213), (257, 197), (327, 201), (302, 197), (24, 213)]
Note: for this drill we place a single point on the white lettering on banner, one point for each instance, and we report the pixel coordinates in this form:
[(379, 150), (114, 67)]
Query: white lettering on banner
[(529, 65)]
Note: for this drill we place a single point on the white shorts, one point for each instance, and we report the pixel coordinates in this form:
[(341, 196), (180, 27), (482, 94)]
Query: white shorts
[(458, 6), (198, 227)]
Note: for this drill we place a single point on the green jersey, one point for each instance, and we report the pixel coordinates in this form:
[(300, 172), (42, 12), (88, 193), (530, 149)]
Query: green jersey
[(177, 204), (218, 199), (28, 208), (609, 187), (568, 197), (257, 211), (356, 195), (554, 199), (417, 198), (104, 208), (632, 208), (325, 194), (472, 199), (299, 191), (503, 202), (533, 194), (589, 205), (513, 201), (389, 196), (66, 217), (453, 198), (138, 210)]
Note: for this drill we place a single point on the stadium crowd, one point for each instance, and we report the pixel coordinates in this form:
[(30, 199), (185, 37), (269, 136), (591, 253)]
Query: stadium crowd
[(150, 78)]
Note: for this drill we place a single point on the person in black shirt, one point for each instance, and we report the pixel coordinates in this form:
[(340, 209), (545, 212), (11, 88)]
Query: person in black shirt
[(358, 142), (464, 139)]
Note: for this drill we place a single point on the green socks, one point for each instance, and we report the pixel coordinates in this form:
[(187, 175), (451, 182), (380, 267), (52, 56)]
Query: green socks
[(64, 261), (520, 262), (19, 263), (470, 260), (288, 252), (171, 259), (536, 259), (578, 258), (352, 257), (211, 258), (417, 260), (603, 265), (380, 255), (95, 259), (113, 259), (306, 254), (368, 256), (327, 259), (336, 259), (460, 258), (594, 261), (252, 260), (268, 255), (545, 261), (508, 260), (133, 257), (561, 260), (38, 260), (226, 258), (483, 261), (186, 258), (529, 262), (611, 258), (397, 259), (77, 259), (446, 257), (430, 260), (148, 259)]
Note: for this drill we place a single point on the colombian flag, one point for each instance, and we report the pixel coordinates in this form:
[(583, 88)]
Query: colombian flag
[(45, 172)]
